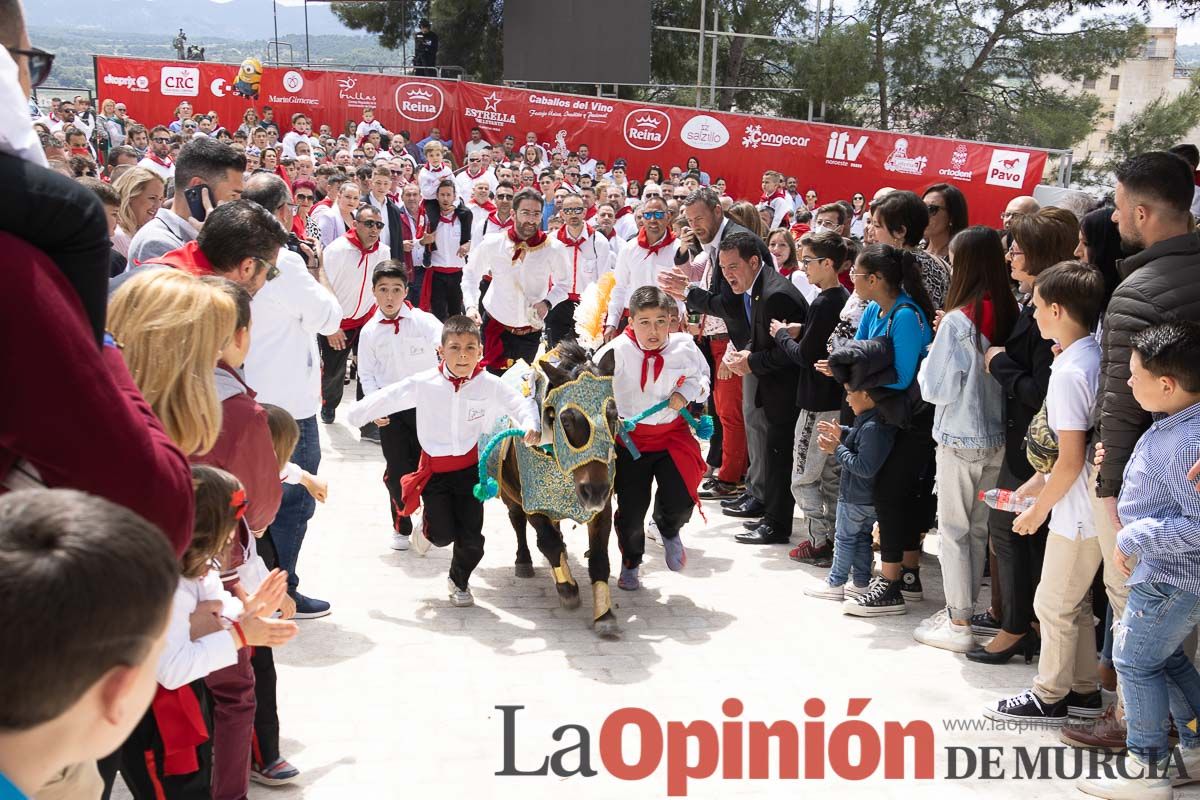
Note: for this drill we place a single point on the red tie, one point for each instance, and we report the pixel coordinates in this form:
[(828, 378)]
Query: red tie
[(395, 321), (649, 357)]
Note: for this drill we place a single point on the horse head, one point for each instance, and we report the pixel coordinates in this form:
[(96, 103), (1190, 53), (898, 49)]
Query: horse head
[(578, 406)]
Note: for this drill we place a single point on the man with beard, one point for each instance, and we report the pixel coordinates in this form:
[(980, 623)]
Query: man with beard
[(528, 279), (590, 256), (640, 262), (158, 157)]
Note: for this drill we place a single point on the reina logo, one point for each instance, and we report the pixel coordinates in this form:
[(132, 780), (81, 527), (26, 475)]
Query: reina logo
[(842, 152), (1007, 168), (958, 162), (704, 133), (419, 102), (180, 81), (647, 128)]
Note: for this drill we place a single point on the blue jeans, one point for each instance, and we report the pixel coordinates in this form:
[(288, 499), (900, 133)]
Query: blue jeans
[(1156, 676), (297, 506), (852, 544)]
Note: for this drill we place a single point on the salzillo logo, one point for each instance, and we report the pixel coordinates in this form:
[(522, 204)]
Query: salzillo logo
[(1007, 168), (842, 152), (293, 81), (755, 137), (419, 102), (647, 128), (180, 81), (704, 133)]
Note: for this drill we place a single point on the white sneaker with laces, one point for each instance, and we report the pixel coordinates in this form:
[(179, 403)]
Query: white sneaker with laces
[(460, 598), (945, 634), (824, 591), (399, 541), (419, 542), (937, 619), (1146, 782)]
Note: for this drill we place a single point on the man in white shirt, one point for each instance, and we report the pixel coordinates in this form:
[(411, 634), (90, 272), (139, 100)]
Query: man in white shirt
[(587, 164), (590, 256), (284, 369), (465, 180), (528, 279), (624, 224), (639, 264), (500, 219), (476, 142), (480, 204), (158, 157), (381, 183)]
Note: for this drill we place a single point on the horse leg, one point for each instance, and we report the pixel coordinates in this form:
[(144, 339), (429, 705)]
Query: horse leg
[(549, 541), (524, 564), (604, 622)]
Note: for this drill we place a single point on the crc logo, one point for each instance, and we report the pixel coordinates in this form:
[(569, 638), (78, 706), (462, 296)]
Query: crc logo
[(1007, 168), (755, 137), (704, 133), (419, 102), (293, 81), (647, 128), (843, 152), (180, 81)]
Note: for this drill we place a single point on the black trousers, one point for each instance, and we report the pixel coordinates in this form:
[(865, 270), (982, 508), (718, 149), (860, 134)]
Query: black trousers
[(904, 500), (141, 760), (1018, 561), (266, 705), (401, 453), (560, 323), (445, 294), (333, 369), (453, 516), (777, 486), (632, 483), (516, 346)]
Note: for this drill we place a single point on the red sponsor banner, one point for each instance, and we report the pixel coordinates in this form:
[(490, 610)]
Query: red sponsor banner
[(835, 161)]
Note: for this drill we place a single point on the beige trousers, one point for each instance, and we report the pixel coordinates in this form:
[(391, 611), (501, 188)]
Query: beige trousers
[(1062, 605), (76, 782)]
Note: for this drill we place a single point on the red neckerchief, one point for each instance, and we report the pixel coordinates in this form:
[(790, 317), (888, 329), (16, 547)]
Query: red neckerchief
[(786, 271), (456, 381), (623, 210), (508, 223), (393, 197), (352, 237), (448, 220), (487, 206), (575, 245), (467, 172), (666, 241), (768, 198), (395, 321), (589, 213), (168, 163), (520, 248), (649, 357)]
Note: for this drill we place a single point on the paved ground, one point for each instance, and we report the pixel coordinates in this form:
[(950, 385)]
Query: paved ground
[(394, 694)]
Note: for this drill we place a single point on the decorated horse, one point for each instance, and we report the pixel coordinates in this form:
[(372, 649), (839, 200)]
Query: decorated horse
[(570, 477)]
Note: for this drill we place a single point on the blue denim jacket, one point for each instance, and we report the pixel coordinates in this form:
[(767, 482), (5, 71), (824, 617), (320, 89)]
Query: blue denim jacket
[(861, 453), (969, 411)]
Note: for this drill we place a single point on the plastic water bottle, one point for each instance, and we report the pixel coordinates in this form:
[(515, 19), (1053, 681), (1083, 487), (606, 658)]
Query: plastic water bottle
[(1007, 500)]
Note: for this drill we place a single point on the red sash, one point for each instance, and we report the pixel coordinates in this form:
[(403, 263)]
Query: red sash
[(575, 245), (181, 725), (676, 438), (357, 322), (493, 345), (412, 484)]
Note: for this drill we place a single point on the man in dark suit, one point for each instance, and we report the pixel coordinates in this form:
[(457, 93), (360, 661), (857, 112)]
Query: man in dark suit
[(757, 293)]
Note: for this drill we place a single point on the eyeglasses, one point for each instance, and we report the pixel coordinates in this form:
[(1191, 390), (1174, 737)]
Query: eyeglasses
[(272, 270), (804, 262), (529, 213), (829, 224), (572, 211), (161, 140), (859, 197), (40, 63), (572, 174), (1013, 251), (372, 223), (856, 275), (933, 210), (654, 215)]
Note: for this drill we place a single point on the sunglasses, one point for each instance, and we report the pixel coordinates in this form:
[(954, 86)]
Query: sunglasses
[(504, 197), (272, 270), (300, 198), (572, 211), (933, 210), (371, 223), (654, 215)]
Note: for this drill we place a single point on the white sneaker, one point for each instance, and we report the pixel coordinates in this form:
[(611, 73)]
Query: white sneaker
[(652, 532), (945, 635), (940, 618), (399, 541), (419, 542), (1149, 783), (853, 591), (460, 598), (824, 591), (1190, 758)]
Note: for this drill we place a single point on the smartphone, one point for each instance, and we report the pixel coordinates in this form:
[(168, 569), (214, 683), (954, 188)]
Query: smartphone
[(195, 200)]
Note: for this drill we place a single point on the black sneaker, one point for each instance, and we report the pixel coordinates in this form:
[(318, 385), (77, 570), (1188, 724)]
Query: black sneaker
[(1027, 707), (883, 597), (910, 584), (309, 607), (1089, 704), (713, 489), (984, 624)]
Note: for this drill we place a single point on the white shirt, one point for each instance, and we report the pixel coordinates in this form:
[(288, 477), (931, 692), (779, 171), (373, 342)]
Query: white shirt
[(449, 422), (635, 268), (801, 282), (684, 371), (386, 356), (626, 227), (587, 262), (428, 179), (166, 173), (1074, 380), (350, 279), (364, 128), (472, 147), (516, 287), (781, 207), (466, 182), (478, 223), (588, 167), (447, 239), (385, 235), (292, 138), (418, 251), (284, 365), (182, 660)]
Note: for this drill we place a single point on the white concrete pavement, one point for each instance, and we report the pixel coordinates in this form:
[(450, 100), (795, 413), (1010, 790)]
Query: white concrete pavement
[(394, 695)]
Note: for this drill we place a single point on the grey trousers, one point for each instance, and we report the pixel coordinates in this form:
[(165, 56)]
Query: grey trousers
[(756, 438)]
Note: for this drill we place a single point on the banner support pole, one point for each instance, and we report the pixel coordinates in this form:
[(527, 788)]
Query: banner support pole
[(700, 58)]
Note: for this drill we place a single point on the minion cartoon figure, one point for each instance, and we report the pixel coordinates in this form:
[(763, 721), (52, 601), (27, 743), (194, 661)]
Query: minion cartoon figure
[(248, 78)]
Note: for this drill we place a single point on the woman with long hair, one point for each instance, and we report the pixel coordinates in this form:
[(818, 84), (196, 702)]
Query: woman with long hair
[(947, 207), (654, 174), (142, 193), (898, 307), (968, 424), (782, 245), (859, 205), (339, 219), (171, 327), (693, 165), (1100, 246), (900, 219), (1021, 365), (746, 214)]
